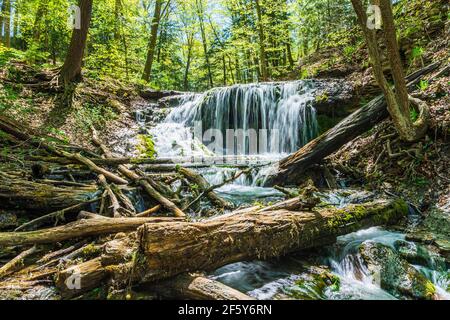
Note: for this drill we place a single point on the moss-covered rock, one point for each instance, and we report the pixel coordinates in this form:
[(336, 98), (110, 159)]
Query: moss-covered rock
[(420, 255), (314, 285), (394, 273)]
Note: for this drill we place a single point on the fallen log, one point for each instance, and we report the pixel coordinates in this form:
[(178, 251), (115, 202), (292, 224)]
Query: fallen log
[(169, 249), (78, 229), (172, 248), (204, 186), (54, 215), (17, 263), (196, 287), (290, 170), (39, 197)]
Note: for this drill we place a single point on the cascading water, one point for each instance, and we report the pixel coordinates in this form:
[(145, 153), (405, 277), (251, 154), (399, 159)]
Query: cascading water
[(266, 118)]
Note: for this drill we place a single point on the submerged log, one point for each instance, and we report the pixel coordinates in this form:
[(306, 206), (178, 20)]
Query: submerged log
[(290, 170)]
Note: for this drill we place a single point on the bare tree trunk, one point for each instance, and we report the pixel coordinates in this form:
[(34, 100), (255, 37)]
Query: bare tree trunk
[(262, 49), (200, 13), (2, 21), (71, 69), (152, 42), (398, 102), (190, 43), (37, 20), (7, 19)]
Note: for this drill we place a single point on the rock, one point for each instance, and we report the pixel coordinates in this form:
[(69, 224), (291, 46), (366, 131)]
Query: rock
[(158, 94), (7, 220), (394, 273), (334, 98), (420, 255), (314, 284)]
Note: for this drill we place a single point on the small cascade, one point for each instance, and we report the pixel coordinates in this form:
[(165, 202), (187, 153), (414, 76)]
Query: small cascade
[(266, 118)]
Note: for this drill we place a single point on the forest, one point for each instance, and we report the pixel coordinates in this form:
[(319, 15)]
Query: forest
[(224, 150)]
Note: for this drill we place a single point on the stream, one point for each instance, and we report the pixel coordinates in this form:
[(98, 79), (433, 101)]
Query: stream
[(272, 121)]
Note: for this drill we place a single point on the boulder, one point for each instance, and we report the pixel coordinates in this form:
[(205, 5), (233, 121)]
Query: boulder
[(394, 273)]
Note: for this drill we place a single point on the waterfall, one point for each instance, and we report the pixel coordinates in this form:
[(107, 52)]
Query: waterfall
[(265, 118)]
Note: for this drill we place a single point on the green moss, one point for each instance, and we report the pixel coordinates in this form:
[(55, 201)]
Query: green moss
[(146, 146), (380, 213)]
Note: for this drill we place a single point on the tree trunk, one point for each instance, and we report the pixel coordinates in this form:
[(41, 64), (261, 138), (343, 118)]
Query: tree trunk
[(152, 42), (169, 249), (291, 169), (262, 48), (7, 24), (398, 102), (2, 21), (71, 69), (200, 13), (173, 248), (78, 229), (37, 20), (189, 286), (190, 43)]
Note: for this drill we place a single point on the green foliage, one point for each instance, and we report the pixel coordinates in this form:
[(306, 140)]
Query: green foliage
[(94, 115), (146, 146), (423, 85)]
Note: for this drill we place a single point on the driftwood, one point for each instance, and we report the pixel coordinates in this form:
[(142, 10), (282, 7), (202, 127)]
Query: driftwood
[(173, 248), (78, 229), (54, 215), (141, 181), (17, 263), (191, 286), (205, 187), (33, 196), (290, 170)]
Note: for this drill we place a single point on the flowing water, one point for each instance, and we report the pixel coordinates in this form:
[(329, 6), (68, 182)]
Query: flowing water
[(266, 122)]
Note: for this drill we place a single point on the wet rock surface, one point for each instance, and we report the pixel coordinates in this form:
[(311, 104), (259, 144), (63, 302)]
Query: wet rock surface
[(394, 273)]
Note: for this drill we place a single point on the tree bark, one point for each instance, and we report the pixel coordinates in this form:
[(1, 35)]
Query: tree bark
[(71, 69), (152, 42), (173, 248), (7, 23), (398, 102), (169, 249), (290, 170), (262, 49), (78, 229)]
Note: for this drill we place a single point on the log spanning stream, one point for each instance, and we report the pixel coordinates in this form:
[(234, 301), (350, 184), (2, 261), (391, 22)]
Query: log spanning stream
[(265, 122)]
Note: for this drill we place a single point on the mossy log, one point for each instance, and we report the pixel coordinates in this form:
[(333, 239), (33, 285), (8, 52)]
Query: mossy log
[(172, 248), (78, 229), (290, 170), (165, 250), (40, 197)]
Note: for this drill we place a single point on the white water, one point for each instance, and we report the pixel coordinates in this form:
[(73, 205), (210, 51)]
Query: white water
[(271, 119)]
